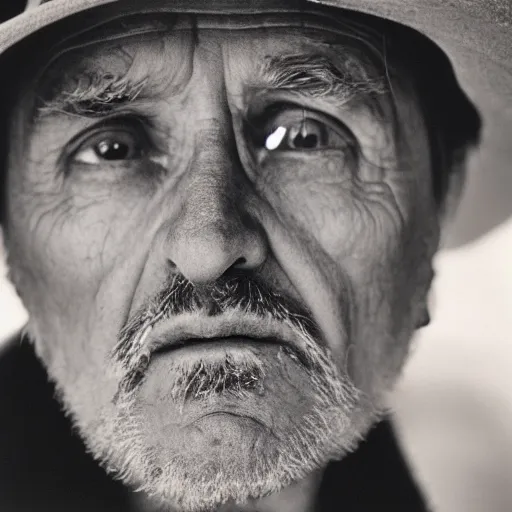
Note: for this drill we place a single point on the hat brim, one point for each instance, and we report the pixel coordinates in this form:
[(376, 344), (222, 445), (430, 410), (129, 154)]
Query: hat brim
[(475, 35)]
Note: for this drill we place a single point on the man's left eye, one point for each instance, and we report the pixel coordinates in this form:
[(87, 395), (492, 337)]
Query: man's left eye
[(306, 135), (302, 130)]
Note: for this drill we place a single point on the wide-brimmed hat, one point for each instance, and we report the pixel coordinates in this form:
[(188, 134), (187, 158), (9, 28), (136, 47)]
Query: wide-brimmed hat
[(476, 35)]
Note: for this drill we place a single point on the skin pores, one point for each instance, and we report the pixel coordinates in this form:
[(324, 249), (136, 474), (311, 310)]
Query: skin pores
[(194, 153)]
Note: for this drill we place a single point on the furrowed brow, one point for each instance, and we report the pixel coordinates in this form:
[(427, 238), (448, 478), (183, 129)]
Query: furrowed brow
[(319, 77), (92, 94)]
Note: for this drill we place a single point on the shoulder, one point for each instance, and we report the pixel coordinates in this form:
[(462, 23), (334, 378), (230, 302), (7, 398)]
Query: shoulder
[(43, 463), (374, 477)]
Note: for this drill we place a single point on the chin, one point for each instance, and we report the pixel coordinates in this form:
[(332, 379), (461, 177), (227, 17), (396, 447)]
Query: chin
[(232, 444), (230, 458)]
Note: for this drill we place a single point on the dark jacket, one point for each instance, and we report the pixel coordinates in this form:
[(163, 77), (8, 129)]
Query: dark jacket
[(44, 465)]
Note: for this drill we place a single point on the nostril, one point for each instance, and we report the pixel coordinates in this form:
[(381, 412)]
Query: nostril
[(171, 264), (240, 261)]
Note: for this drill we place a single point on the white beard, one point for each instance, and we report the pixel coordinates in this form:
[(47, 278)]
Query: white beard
[(339, 417)]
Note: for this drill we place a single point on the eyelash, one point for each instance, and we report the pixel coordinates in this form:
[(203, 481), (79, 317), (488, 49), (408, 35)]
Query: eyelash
[(140, 125), (256, 121)]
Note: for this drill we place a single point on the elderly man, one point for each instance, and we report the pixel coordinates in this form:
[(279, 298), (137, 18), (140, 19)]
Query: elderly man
[(221, 217)]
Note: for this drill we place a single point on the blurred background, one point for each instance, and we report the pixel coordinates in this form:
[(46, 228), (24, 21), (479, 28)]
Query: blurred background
[(454, 402)]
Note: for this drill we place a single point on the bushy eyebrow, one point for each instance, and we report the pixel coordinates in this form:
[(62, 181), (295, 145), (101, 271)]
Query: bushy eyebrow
[(93, 94), (320, 77), (96, 92)]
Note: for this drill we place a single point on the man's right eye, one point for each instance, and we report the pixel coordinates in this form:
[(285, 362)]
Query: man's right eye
[(112, 145)]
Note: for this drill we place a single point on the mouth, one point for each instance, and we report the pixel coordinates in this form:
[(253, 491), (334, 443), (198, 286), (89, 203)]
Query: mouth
[(201, 333), (215, 342)]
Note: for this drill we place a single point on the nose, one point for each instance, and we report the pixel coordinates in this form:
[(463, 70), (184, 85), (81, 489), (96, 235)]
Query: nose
[(218, 241), (215, 231)]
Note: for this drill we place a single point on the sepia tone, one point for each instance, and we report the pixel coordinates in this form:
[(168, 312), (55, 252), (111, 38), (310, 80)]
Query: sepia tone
[(256, 256)]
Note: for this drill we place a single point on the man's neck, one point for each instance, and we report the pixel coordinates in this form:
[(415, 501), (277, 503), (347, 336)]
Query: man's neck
[(298, 497)]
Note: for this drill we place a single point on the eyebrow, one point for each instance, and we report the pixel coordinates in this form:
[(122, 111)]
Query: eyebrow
[(97, 94), (93, 94), (320, 76)]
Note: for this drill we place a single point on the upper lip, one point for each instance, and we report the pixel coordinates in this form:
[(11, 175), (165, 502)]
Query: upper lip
[(177, 331)]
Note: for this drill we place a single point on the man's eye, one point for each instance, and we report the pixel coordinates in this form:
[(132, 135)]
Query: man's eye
[(111, 146), (308, 134), (302, 130)]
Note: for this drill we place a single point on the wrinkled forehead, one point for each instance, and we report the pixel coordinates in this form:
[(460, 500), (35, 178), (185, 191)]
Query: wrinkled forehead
[(155, 46)]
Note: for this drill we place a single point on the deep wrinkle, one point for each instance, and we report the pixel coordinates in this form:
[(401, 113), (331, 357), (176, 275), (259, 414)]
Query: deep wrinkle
[(275, 75)]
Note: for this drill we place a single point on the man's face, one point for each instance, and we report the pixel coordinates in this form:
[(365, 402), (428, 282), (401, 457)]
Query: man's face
[(222, 231)]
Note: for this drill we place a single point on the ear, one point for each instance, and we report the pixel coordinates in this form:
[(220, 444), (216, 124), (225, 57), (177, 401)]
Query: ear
[(452, 197), (10, 303)]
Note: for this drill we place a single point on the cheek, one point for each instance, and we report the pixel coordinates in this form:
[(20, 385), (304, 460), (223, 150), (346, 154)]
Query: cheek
[(74, 261), (345, 217), (69, 242), (362, 231), (379, 237)]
